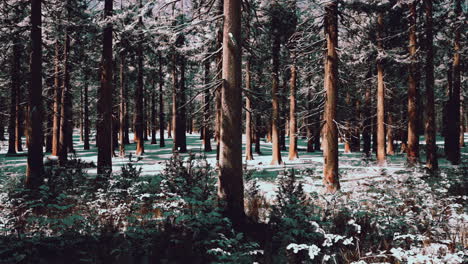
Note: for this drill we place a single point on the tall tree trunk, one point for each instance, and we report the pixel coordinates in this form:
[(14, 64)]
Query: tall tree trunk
[(454, 109), (331, 86), (144, 116), (206, 109), (127, 122), (462, 122), (161, 104), (104, 104), (175, 105), (447, 119), (219, 70), (57, 100), (381, 158), (169, 123), (153, 114), (283, 111), (182, 126), (430, 127), (122, 113), (15, 86), (230, 181), (35, 168), (366, 117), (413, 139), (355, 131), (292, 111), (65, 117), (248, 114), (139, 107), (310, 120), (347, 131), (390, 135), (19, 110), (81, 113), (275, 119), (86, 113), (2, 118)]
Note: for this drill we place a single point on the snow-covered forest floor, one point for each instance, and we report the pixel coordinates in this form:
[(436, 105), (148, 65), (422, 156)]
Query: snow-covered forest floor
[(355, 169), (417, 217)]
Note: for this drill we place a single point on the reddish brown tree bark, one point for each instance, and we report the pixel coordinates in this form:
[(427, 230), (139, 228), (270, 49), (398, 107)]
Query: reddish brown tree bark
[(331, 86), (275, 118), (413, 139), (57, 100), (292, 111), (248, 114), (65, 107), (139, 121), (381, 158)]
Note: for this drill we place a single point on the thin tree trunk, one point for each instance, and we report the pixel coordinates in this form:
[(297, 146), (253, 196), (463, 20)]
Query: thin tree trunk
[(81, 116), (182, 126), (139, 107), (175, 106), (2, 118), (161, 104), (86, 113), (19, 110), (127, 122), (206, 109), (122, 113), (447, 119), (65, 117), (248, 114), (35, 168), (292, 112), (331, 86), (430, 127), (144, 116), (390, 136), (366, 129), (153, 114), (230, 181), (104, 104), (15, 66), (310, 121), (219, 71), (283, 121), (57, 101), (462, 122), (347, 133), (413, 139), (355, 131), (381, 158)]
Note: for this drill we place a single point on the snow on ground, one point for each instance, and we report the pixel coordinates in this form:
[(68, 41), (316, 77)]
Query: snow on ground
[(355, 170)]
